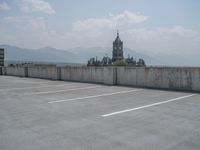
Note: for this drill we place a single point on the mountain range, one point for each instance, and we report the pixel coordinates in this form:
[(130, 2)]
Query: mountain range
[(82, 55)]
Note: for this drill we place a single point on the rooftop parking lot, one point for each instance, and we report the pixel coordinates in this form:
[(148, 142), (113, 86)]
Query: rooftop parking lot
[(37, 114)]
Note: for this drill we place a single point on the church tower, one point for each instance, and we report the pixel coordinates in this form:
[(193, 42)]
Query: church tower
[(117, 53)]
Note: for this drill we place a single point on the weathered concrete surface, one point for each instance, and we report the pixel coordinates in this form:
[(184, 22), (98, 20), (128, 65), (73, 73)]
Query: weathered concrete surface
[(103, 75), (83, 74), (1, 72), (15, 71), (110, 75), (195, 75), (29, 122), (43, 72), (173, 78)]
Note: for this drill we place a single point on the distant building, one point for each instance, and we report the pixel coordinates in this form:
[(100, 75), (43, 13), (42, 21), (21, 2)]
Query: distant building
[(117, 53), (1, 57)]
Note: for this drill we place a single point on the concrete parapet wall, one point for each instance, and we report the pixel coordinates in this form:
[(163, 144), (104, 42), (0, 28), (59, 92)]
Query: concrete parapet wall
[(43, 72), (88, 74), (110, 75), (14, 71), (3, 70), (173, 78)]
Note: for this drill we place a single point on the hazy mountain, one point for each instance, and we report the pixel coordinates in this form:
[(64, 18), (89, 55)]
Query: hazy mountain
[(74, 55), (81, 55), (42, 54)]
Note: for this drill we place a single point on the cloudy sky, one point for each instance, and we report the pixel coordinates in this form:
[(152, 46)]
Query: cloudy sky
[(167, 26)]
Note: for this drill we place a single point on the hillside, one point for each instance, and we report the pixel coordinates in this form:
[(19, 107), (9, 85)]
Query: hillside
[(82, 55)]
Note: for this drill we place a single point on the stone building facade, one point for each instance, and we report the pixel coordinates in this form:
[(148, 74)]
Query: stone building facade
[(1, 57), (117, 53)]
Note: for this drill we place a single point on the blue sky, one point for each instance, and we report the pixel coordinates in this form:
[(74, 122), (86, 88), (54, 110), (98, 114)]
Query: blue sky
[(157, 26)]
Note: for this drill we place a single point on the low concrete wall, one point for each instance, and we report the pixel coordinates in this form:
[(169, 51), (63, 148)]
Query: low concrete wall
[(14, 71), (175, 78), (88, 74), (110, 75), (1, 72), (43, 72)]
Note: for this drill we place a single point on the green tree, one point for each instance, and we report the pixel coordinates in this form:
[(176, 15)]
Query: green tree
[(120, 63)]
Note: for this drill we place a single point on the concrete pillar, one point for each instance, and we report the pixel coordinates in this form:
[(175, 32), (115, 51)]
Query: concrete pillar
[(4, 71), (26, 72), (110, 75), (58, 75)]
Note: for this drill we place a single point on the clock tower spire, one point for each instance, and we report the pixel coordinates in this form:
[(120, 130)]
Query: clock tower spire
[(117, 49)]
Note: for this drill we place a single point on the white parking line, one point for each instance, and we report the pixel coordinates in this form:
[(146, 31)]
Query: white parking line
[(35, 82), (35, 87), (94, 96), (41, 83), (21, 79), (49, 92), (147, 106)]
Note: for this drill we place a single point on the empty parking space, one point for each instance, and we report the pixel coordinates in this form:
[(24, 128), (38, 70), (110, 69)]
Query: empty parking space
[(45, 114)]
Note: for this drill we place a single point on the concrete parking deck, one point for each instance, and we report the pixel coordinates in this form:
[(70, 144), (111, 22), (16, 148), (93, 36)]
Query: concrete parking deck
[(58, 115)]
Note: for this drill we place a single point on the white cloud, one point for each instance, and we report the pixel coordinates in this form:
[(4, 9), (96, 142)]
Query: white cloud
[(4, 6), (176, 39), (99, 31), (161, 32), (29, 31), (36, 6), (129, 17), (95, 25), (26, 22)]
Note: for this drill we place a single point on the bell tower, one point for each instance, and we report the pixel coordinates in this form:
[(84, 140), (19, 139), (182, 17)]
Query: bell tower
[(117, 53)]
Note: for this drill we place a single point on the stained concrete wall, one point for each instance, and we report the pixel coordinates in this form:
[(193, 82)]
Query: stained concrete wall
[(43, 72), (14, 71), (110, 75), (175, 78), (88, 74), (1, 72)]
